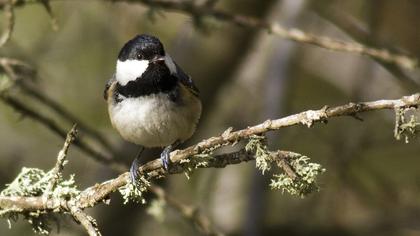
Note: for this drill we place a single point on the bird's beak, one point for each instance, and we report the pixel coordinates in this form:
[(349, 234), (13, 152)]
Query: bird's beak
[(158, 59)]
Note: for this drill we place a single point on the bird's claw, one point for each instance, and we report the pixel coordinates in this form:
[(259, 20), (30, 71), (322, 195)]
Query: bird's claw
[(164, 156), (134, 174)]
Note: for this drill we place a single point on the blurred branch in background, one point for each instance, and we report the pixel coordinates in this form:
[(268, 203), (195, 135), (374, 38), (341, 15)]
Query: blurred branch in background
[(359, 32), (9, 21), (205, 10)]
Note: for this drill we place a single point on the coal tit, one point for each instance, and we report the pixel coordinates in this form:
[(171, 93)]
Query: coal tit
[(152, 102)]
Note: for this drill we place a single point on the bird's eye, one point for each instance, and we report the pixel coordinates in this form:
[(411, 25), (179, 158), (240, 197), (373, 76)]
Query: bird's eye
[(140, 56)]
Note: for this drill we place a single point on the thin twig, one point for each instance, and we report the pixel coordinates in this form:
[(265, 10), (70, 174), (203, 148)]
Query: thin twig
[(9, 22), (53, 18), (85, 220), (281, 158), (15, 68), (61, 157), (352, 27)]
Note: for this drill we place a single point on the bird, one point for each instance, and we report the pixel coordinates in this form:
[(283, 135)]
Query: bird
[(151, 101)]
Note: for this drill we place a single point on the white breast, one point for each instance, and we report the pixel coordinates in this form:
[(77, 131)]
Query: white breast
[(154, 120)]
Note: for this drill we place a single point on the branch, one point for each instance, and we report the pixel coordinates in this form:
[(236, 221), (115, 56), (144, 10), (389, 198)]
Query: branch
[(307, 118), (87, 221), (199, 156), (61, 158), (352, 28), (154, 169), (95, 194), (9, 21), (293, 34)]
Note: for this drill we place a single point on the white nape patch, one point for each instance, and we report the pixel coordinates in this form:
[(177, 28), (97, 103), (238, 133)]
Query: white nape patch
[(130, 70), (170, 64)]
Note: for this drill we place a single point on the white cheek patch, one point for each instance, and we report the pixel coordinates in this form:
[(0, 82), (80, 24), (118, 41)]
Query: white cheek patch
[(129, 70), (170, 64)]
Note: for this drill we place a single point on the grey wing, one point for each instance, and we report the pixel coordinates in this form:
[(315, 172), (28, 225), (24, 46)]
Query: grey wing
[(107, 86), (186, 80)]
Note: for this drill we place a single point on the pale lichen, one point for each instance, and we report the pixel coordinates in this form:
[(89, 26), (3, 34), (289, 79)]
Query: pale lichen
[(263, 159), (303, 181), (404, 128), (135, 192), (34, 182), (311, 116), (196, 161)]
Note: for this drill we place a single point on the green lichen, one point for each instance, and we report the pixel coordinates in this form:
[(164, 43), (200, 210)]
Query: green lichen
[(263, 159), (304, 183), (404, 128), (196, 161), (135, 192), (306, 172), (35, 182)]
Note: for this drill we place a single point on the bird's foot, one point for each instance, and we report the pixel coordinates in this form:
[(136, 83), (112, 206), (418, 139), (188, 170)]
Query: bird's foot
[(134, 174), (165, 157)]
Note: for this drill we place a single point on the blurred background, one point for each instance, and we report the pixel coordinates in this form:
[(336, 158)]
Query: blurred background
[(372, 182)]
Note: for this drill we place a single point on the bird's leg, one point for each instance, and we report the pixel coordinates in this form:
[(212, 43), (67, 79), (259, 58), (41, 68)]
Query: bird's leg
[(164, 155), (135, 166)]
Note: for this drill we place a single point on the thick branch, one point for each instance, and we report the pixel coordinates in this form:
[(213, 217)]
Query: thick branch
[(28, 203), (308, 118), (154, 169)]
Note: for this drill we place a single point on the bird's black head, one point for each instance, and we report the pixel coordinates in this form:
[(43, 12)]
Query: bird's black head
[(141, 47)]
